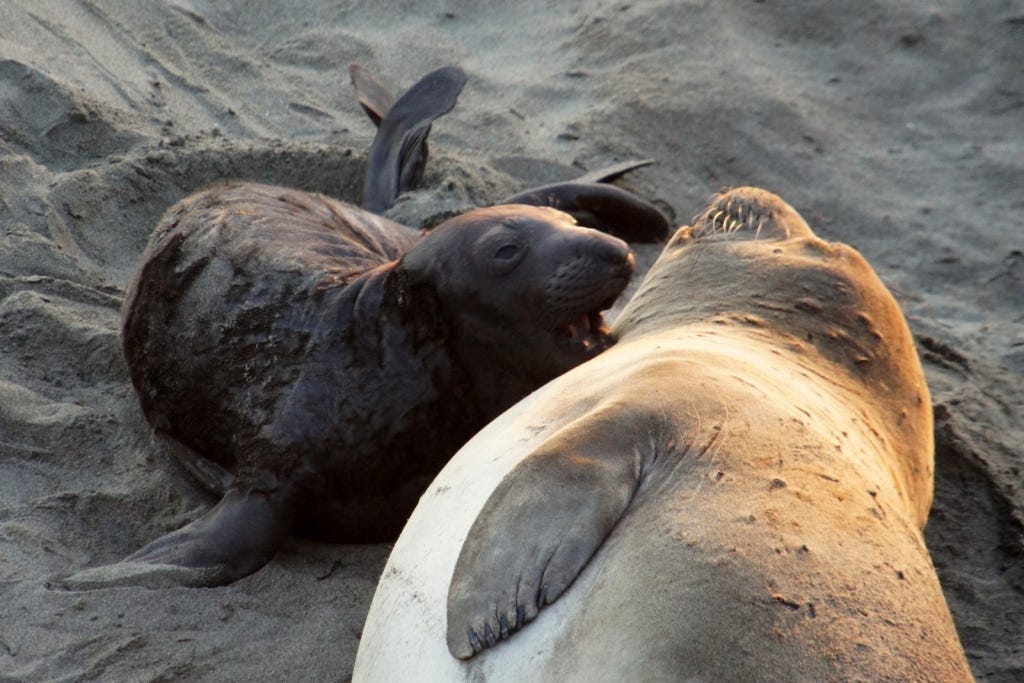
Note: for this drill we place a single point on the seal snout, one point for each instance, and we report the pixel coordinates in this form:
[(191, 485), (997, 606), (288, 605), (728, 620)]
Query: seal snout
[(749, 213), (613, 251), (612, 263), (587, 286), (609, 252), (622, 264)]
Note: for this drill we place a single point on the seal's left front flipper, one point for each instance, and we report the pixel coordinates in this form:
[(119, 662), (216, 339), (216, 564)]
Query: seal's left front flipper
[(539, 529), (234, 539), (398, 152)]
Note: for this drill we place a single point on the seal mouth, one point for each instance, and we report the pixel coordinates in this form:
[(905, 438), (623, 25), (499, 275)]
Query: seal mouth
[(583, 332), (586, 335)]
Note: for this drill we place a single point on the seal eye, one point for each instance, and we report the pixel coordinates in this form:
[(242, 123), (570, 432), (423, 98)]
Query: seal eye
[(501, 250), (506, 252)]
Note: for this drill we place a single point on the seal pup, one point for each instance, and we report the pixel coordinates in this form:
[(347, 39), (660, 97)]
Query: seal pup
[(734, 491), (333, 360)]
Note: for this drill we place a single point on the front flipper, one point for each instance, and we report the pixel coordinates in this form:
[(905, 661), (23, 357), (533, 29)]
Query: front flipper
[(601, 206), (398, 152), (541, 526), (234, 539)]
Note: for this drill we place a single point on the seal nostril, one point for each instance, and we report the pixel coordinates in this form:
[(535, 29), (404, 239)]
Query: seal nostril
[(613, 253)]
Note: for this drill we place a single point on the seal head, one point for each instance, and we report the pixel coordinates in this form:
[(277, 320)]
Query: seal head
[(525, 285)]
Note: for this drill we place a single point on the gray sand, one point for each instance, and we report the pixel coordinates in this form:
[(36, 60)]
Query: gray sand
[(896, 127)]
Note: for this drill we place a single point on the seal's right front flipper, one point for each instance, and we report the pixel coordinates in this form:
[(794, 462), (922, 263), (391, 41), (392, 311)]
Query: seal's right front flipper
[(399, 152), (603, 207), (540, 527), (234, 539)]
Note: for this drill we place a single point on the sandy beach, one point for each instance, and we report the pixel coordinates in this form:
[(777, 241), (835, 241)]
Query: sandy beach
[(895, 127)]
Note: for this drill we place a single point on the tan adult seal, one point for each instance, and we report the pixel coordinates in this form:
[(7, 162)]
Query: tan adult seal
[(735, 491)]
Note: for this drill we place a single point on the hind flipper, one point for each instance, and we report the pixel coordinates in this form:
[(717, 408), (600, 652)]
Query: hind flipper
[(374, 98), (399, 152), (610, 173)]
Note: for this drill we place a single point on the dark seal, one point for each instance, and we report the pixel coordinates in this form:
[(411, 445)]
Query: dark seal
[(333, 360)]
